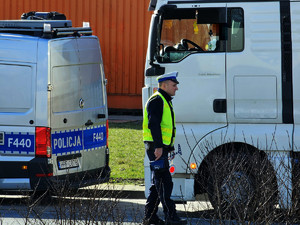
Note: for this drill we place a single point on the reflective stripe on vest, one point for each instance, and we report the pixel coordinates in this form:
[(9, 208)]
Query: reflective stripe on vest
[(166, 123)]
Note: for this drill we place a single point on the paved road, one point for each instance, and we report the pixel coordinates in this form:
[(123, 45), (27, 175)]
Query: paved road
[(127, 211), (110, 205)]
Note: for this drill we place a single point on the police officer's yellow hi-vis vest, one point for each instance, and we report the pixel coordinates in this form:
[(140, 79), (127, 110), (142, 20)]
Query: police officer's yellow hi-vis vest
[(166, 124)]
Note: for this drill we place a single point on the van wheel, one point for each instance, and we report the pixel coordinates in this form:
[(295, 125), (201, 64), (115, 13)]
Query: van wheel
[(241, 186)]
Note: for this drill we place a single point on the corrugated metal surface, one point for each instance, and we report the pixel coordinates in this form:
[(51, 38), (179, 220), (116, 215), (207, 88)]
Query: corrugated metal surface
[(122, 27)]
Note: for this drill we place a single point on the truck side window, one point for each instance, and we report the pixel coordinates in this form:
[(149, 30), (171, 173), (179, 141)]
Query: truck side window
[(183, 33), (235, 30)]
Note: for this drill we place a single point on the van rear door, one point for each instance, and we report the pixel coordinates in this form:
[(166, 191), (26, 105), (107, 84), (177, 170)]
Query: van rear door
[(94, 111), (65, 84), (92, 84), (78, 104)]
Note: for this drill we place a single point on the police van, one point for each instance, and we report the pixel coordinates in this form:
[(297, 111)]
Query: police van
[(53, 104), (239, 69)]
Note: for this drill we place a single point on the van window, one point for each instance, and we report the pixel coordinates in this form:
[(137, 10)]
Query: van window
[(188, 31), (16, 89)]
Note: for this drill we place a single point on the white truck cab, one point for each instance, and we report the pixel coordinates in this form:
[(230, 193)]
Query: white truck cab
[(238, 67), (53, 107)]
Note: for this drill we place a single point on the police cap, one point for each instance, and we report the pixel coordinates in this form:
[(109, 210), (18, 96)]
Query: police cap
[(168, 76)]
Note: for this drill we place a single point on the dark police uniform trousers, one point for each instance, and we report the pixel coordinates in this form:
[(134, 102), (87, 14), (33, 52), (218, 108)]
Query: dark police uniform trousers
[(161, 187)]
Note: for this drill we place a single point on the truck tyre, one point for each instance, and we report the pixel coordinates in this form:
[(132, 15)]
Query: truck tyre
[(242, 186)]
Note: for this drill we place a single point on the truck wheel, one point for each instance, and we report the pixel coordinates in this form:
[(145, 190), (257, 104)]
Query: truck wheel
[(242, 186)]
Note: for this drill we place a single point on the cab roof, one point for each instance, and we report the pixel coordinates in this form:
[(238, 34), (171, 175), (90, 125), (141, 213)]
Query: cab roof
[(157, 4)]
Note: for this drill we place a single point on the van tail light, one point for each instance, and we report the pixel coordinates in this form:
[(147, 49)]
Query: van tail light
[(106, 133), (44, 174), (43, 142)]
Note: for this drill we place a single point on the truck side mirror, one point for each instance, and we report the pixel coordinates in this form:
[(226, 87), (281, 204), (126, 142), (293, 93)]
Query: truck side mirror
[(155, 70)]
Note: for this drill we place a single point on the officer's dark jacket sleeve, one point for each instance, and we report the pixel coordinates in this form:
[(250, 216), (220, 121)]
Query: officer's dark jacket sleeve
[(155, 111)]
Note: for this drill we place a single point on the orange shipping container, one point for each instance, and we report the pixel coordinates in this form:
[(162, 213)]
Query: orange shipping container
[(122, 28)]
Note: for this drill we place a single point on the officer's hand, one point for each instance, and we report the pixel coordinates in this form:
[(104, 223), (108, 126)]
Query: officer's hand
[(158, 153), (171, 155)]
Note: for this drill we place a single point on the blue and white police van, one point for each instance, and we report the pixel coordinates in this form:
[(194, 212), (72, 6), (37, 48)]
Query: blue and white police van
[(53, 104)]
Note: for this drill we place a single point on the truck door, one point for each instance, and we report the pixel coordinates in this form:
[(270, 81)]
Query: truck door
[(191, 40)]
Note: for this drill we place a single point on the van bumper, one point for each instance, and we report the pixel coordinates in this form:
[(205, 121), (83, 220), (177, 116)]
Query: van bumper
[(14, 175), (71, 181), (41, 177)]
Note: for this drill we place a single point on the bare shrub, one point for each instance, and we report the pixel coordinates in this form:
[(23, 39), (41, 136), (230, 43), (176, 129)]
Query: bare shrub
[(247, 185), (61, 204), (85, 206)]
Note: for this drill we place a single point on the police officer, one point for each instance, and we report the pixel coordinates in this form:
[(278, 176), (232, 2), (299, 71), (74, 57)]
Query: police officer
[(159, 134)]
